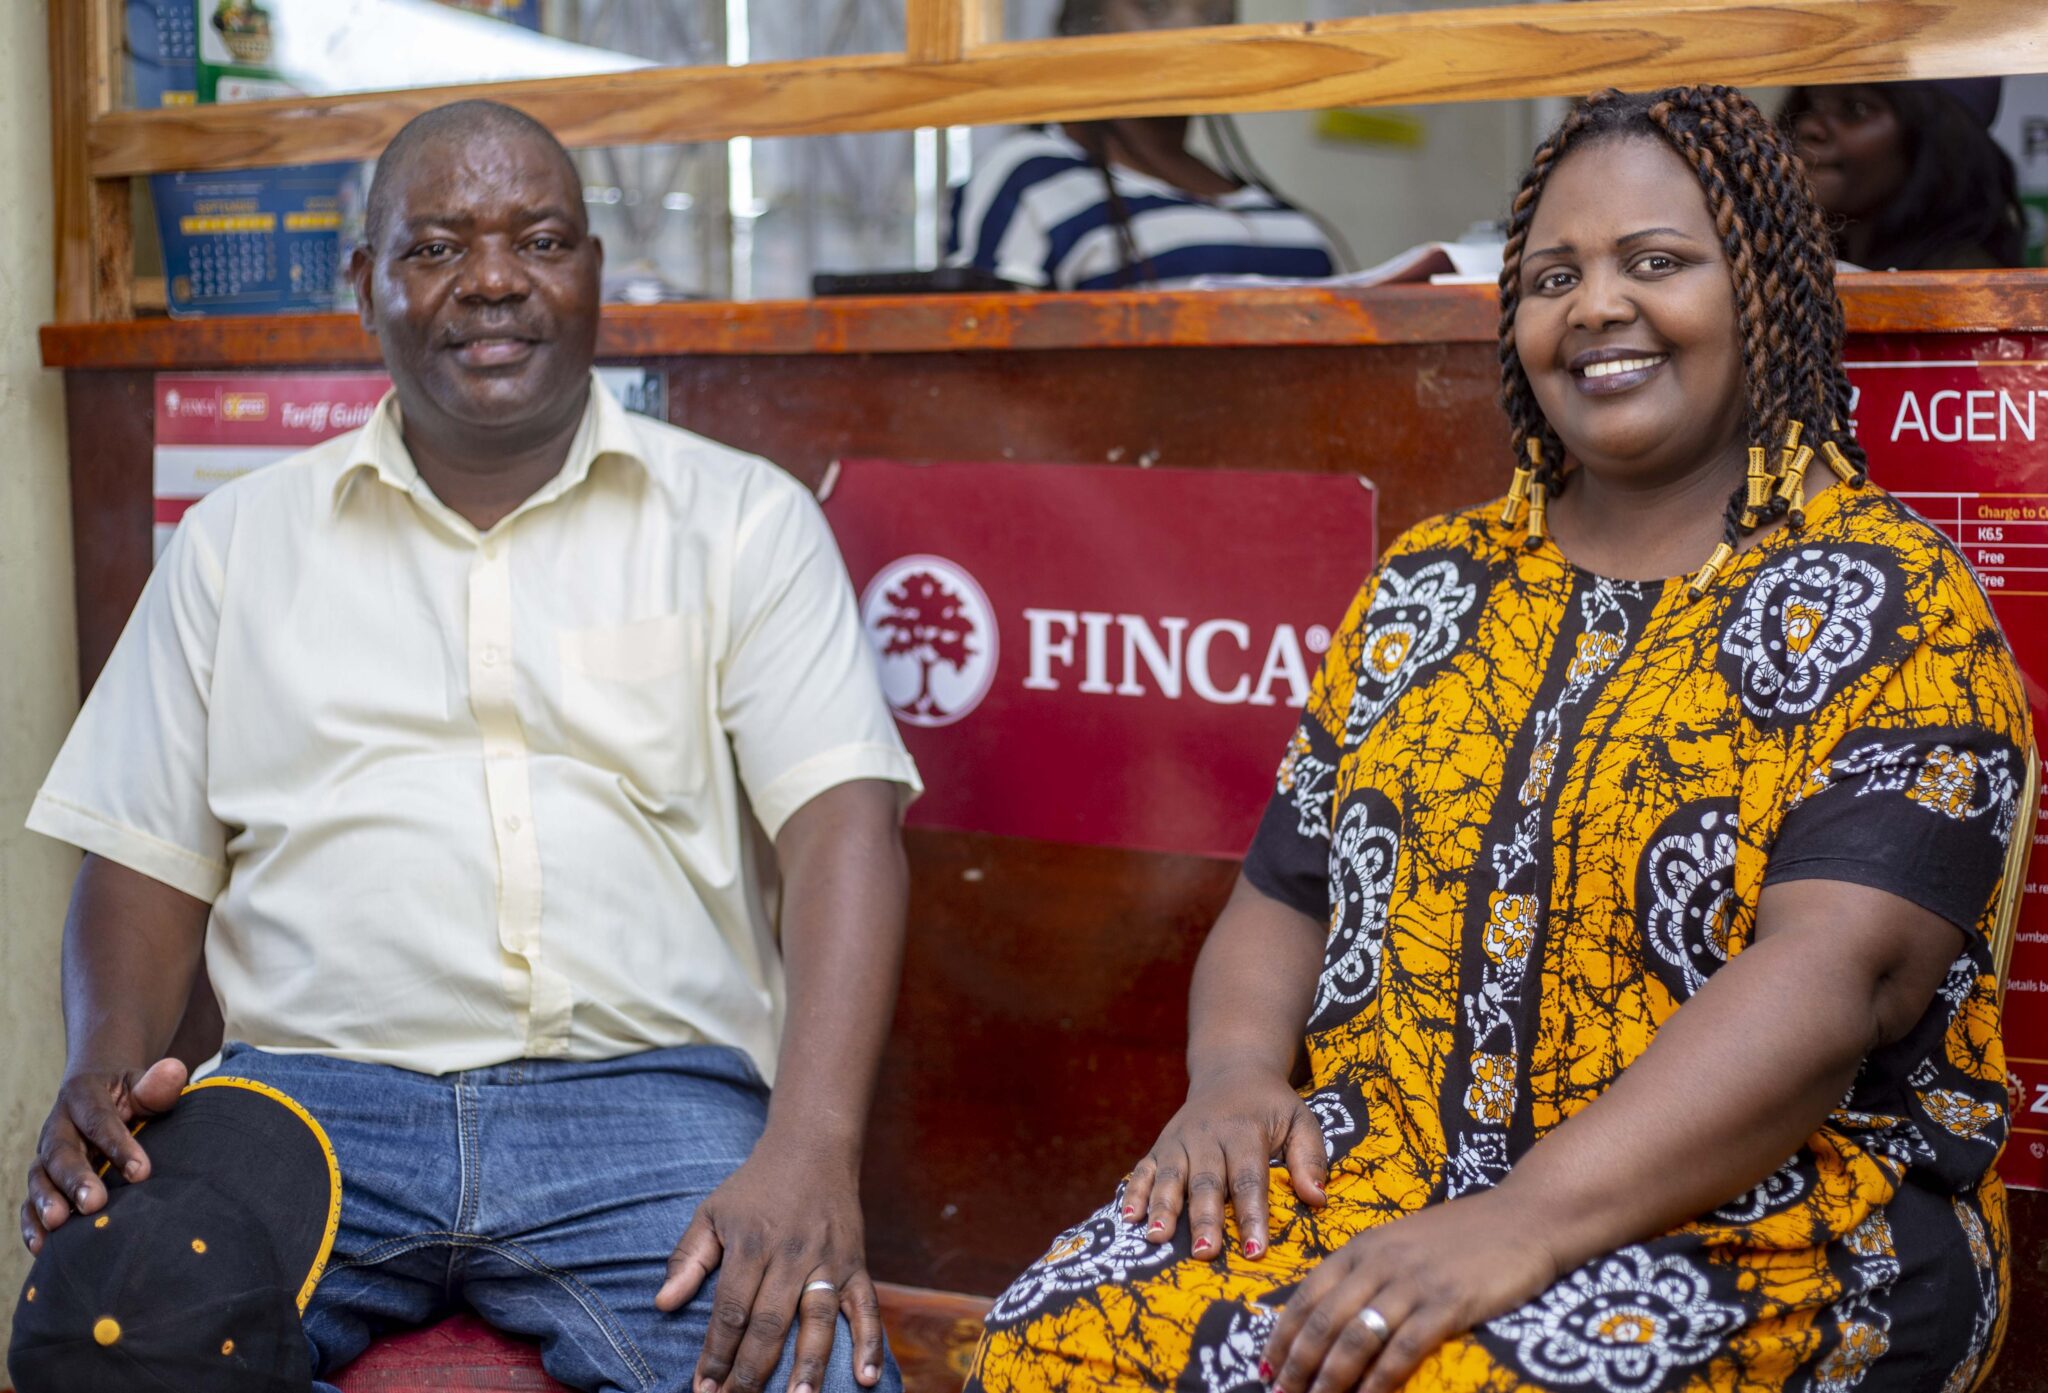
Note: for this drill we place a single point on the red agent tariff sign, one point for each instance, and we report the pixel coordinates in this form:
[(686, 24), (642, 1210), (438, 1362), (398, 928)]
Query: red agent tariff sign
[(1958, 427), (1085, 653)]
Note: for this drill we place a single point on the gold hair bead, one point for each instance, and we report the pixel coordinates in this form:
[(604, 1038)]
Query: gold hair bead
[(1518, 491), (1710, 572), (1759, 479), (1839, 462), (1793, 490), (1539, 508), (1793, 430), (1793, 481), (1749, 519)]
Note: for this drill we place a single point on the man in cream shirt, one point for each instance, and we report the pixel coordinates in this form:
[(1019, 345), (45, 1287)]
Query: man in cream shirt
[(440, 740)]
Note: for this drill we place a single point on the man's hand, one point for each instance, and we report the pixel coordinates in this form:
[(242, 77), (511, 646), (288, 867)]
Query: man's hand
[(1218, 1147), (782, 1221), (89, 1124), (1430, 1276)]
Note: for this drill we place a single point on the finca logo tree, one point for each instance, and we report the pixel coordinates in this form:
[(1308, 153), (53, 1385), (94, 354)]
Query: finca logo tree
[(925, 620)]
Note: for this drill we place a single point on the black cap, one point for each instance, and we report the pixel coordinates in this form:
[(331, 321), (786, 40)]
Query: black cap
[(196, 1277)]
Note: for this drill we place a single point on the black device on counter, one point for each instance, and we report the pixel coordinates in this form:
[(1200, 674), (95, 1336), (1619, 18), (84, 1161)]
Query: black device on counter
[(946, 280)]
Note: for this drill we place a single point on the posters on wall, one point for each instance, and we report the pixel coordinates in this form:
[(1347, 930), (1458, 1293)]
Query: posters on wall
[(212, 428)]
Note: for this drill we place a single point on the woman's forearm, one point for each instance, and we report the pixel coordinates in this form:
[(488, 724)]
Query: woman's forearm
[(1252, 986), (1741, 1075)]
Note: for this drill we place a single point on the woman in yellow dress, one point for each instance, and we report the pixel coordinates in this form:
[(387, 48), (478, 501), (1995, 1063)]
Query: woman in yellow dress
[(1633, 912)]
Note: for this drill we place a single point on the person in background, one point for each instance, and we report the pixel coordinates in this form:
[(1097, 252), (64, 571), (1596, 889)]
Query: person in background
[(1910, 173), (1111, 205), (440, 742)]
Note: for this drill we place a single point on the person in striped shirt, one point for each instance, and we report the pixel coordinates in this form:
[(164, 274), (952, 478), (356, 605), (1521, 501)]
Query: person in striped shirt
[(1110, 205)]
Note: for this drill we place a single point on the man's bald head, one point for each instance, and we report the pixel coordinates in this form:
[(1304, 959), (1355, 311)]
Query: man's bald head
[(458, 123)]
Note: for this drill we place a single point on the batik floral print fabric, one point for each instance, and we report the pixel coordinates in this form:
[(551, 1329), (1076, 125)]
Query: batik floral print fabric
[(1536, 810)]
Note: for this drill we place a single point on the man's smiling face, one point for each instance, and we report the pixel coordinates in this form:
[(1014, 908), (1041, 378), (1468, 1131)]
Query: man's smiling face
[(482, 282)]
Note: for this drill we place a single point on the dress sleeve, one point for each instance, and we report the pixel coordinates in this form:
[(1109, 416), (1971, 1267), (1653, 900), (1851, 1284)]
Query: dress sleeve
[(1289, 860), (130, 783), (1920, 795)]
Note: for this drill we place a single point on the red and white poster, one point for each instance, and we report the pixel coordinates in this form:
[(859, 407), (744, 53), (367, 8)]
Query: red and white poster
[(1958, 427), (1094, 654), (215, 427)]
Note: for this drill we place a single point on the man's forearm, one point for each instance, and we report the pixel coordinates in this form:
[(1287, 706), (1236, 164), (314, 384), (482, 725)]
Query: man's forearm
[(132, 948), (845, 885)]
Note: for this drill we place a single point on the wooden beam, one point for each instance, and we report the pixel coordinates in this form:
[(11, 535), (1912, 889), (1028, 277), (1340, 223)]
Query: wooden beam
[(1440, 56), (936, 31), (71, 184), (111, 203)]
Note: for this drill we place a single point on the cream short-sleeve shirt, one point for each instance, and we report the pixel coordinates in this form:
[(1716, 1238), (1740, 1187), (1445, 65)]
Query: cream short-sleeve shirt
[(460, 798)]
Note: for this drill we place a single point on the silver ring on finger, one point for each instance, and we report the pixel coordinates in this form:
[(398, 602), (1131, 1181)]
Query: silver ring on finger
[(1373, 1321), (820, 1285)]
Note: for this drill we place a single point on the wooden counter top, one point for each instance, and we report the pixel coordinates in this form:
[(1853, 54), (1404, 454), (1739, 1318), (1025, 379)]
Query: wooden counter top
[(1901, 302)]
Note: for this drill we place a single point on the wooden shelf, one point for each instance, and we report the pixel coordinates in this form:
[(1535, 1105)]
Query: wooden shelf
[(1486, 53), (1904, 302)]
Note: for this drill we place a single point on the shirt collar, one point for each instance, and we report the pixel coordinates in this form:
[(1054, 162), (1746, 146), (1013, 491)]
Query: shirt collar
[(379, 449)]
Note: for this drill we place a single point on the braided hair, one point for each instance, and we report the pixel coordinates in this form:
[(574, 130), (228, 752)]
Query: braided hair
[(1782, 261)]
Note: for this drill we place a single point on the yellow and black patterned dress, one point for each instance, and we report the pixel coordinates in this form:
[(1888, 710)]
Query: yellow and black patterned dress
[(1538, 808)]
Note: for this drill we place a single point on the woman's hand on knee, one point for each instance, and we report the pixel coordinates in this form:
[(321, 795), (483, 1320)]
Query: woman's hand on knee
[(1218, 1151), (1377, 1307)]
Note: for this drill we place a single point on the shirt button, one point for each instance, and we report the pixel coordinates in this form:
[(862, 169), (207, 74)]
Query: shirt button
[(490, 657), (512, 823)]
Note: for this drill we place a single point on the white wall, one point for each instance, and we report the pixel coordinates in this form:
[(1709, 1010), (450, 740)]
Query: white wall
[(38, 658)]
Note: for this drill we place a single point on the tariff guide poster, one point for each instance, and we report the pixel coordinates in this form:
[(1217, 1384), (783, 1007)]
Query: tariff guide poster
[(215, 427), (1957, 427)]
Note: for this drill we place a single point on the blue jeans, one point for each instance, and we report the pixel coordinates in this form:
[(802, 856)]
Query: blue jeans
[(545, 1194)]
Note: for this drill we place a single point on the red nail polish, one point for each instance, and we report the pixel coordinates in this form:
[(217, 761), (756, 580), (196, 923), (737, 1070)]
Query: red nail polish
[(1265, 1371), (1251, 1247), (1130, 1216)]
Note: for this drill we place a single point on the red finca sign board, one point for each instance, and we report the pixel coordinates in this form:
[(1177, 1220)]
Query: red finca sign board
[(1958, 427), (1099, 654)]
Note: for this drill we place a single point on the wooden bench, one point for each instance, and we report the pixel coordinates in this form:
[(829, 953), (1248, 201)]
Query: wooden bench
[(933, 1334)]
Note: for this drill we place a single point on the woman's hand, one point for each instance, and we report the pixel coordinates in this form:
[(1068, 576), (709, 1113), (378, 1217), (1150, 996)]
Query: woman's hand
[(1432, 1275), (1221, 1143)]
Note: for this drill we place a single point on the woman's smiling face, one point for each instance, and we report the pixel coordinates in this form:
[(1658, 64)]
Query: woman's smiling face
[(1626, 324)]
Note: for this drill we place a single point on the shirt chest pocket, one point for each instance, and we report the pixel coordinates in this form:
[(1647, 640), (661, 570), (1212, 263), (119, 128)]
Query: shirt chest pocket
[(634, 701)]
